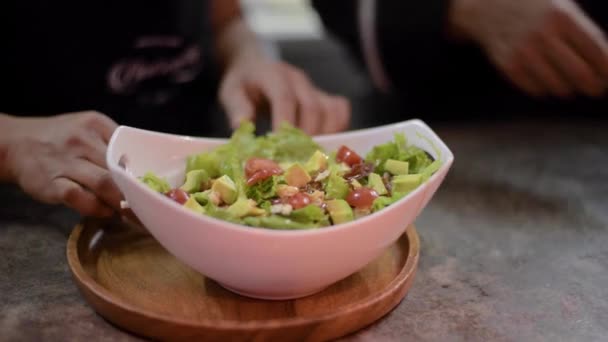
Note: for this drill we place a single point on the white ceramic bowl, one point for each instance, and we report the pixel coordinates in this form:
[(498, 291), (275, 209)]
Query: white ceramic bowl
[(258, 262)]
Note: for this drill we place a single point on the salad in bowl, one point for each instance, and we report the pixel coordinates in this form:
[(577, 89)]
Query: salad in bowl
[(285, 180)]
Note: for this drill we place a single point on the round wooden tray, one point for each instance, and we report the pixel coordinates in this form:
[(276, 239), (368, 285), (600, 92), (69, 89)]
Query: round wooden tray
[(133, 282)]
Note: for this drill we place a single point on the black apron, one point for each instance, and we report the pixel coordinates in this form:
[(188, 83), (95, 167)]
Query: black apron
[(144, 63)]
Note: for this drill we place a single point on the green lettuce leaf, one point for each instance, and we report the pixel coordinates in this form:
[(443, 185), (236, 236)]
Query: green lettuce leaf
[(384, 201), (417, 158), (155, 183), (265, 205), (205, 161), (287, 144), (263, 190), (430, 170)]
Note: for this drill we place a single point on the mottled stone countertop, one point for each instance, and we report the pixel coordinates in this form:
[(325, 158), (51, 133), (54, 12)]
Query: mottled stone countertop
[(514, 248)]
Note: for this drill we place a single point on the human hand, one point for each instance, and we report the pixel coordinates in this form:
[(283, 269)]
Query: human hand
[(251, 82), (545, 47), (61, 160)]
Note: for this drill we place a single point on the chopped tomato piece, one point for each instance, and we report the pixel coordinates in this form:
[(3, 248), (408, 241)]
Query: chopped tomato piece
[(260, 175), (348, 156), (178, 195), (362, 198), (256, 164), (299, 200), (257, 169)]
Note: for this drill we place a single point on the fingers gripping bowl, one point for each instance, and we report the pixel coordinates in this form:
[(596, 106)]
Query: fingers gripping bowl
[(261, 262)]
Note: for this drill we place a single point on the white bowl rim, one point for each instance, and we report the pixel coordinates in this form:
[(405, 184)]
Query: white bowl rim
[(281, 232)]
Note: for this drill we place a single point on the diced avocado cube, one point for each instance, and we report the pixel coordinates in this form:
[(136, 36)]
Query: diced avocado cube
[(317, 162), (297, 176), (337, 187), (195, 181), (193, 205), (226, 188), (406, 183), (339, 211), (375, 182), (397, 167), (355, 183), (245, 207)]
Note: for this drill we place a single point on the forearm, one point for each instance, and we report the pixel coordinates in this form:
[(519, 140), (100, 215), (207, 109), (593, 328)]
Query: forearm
[(461, 14), (234, 39)]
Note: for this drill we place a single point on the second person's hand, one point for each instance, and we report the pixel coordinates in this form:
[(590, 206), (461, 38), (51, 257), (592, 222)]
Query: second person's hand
[(545, 47), (251, 82)]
